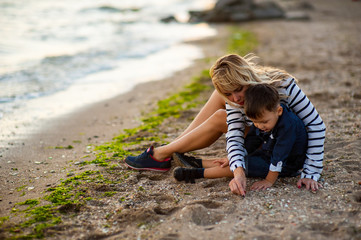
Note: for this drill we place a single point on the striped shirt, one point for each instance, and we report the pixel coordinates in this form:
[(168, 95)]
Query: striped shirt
[(298, 102)]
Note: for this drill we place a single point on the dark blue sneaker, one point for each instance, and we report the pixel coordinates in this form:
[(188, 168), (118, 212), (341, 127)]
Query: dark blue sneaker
[(146, 161)]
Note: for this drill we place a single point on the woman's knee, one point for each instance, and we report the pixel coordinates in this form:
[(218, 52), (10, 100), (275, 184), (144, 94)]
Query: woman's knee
[(217, 100), (219, 118)]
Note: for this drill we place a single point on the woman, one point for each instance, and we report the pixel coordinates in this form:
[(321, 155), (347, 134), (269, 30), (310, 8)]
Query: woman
[(223, 113)]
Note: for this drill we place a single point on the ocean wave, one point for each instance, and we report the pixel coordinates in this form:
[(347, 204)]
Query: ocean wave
[(50, 48), (110, 9)]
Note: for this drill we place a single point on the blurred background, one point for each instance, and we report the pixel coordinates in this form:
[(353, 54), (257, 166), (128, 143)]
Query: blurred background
[(56, 56)]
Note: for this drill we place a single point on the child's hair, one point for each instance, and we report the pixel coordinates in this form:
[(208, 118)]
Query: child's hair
[(231, 72), (259, 98)]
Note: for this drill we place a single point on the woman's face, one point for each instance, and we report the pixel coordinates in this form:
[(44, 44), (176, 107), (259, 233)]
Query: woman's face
[(237, 96)]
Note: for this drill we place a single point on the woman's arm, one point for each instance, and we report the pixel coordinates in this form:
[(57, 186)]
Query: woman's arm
[(316, 129), (236, 121)]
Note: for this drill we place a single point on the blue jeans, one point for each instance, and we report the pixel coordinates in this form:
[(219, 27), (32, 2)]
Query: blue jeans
[(258, 161)]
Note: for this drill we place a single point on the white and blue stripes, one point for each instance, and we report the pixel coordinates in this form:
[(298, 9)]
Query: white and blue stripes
[(298, 102)]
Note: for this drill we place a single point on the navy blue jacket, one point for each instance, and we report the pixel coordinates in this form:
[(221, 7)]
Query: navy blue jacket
[(286, 142)]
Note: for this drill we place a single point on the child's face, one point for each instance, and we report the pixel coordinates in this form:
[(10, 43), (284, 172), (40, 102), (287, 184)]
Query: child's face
[(268, 120), (237, 96)]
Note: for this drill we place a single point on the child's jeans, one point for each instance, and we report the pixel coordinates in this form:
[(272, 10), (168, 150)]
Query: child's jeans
[(258, 161)]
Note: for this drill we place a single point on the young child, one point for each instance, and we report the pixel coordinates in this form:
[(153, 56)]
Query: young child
[(276, 143)]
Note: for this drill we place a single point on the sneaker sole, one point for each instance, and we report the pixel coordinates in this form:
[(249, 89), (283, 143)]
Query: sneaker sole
[(149, 169), (179, 161)]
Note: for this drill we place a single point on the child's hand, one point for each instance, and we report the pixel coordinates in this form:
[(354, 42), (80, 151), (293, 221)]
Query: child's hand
[(222, 162), (261, 185)]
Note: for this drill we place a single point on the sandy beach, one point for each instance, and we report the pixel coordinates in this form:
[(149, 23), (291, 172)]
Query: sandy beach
[(323, 53)]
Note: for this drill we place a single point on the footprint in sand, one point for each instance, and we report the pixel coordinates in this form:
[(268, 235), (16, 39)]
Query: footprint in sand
[(137, 216), (325, 229), (170, 236), (150, 175), (351, 163), (201, 213), (357, 197), (165, 210), (207, 203)]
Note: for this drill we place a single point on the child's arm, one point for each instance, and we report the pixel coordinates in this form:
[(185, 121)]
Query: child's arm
[(267, 182)]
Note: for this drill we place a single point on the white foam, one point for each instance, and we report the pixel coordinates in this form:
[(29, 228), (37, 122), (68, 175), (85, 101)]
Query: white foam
[(35, 113)]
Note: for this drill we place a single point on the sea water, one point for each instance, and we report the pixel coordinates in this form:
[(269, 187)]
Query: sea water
[(57, 56)]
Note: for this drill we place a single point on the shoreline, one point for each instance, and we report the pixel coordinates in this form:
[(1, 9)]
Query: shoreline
[(29, 115), (37, 161)]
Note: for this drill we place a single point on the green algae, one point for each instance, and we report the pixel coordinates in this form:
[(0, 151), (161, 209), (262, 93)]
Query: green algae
[(3, 219), (40, 218), (64, 147), (241, 42), (68, 192), (21, 188), (169, 107), (109, 194), (29, 202)]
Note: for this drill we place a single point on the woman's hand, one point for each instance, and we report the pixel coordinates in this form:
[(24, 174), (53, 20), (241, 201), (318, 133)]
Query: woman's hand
[(223, 162), (238, 183), (309, 183)]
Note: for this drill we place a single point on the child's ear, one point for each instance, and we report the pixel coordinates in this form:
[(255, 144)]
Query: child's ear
[(279, 110)]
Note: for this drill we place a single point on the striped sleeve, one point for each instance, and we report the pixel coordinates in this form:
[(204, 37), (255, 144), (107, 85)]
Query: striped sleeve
[(236, 121), (316, 129)]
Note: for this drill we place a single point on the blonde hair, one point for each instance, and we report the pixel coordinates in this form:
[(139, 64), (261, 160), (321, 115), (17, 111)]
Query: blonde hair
[(231, 72)]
